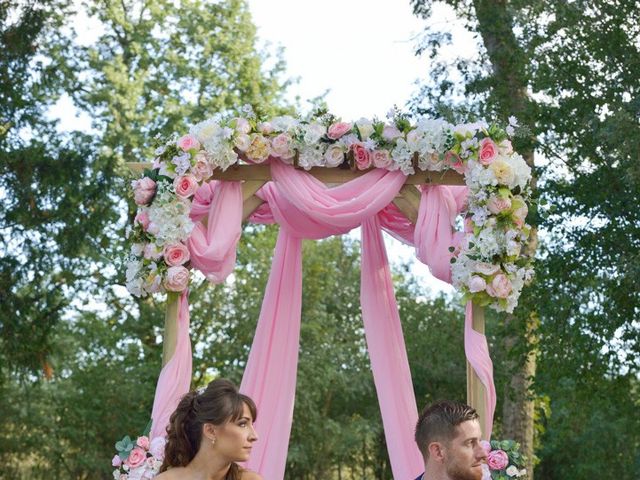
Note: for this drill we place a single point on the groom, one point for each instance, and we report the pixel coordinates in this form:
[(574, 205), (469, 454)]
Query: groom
[(448, 436)]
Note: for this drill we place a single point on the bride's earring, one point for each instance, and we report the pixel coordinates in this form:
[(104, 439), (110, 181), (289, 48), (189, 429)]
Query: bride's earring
[(213, 441)]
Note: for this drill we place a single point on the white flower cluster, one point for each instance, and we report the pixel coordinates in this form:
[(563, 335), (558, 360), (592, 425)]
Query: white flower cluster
[(488, 266), (168, 223)]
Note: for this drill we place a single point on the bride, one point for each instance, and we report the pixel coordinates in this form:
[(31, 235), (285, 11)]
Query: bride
[(208, 433)]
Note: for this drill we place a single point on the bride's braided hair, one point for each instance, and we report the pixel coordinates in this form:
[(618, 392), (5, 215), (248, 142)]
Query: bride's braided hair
[(219, 403)]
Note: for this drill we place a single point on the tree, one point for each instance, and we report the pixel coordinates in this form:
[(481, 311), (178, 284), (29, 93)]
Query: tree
[(569, 64), (53, 189)]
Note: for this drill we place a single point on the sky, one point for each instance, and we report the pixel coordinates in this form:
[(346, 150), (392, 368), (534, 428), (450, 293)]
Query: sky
[(361, 52)]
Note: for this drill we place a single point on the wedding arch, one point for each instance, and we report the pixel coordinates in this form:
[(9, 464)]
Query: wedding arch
[(457, 193)]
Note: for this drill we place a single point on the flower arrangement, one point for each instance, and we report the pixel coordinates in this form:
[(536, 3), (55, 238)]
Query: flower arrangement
[(504, 461), (138, 460), (488, 267)]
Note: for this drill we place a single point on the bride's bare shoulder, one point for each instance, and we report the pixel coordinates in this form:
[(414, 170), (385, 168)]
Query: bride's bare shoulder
[(248, 475), (171, 474)]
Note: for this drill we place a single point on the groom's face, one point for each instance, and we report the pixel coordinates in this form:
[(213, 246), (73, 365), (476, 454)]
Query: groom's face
[(463, 455)]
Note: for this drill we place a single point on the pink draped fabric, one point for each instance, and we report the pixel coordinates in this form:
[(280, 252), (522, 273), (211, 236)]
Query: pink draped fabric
[(213, 248), (305, 208), (388, 354), (270, 375), (175, 377), (434, 232)]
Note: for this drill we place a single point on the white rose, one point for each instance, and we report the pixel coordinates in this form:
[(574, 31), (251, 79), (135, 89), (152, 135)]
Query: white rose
[(512, 471), (334, 155), (365, 127), (242, 142)]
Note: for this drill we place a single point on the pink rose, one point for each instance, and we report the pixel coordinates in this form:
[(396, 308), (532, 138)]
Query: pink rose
[(143, 442), (157, 447), (338, 129), (136, 458), (477, 284), (500, 286), (176, 254), (498, 204), (144, 190), (280, 145), (185, 186), (361, 155), (390, 132), (177, 279), (265, 127), (143, 219), (454, 161), (188, 142), (116, 461), (202, 169), (488, 151), (381, 159), (497, 459), (242, 125)]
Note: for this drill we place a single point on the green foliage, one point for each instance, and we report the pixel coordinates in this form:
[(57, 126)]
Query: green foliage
[(576, 61)]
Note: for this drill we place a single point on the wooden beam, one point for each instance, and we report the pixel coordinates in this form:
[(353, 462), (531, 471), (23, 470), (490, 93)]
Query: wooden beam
[(326, 175), (476, 392)]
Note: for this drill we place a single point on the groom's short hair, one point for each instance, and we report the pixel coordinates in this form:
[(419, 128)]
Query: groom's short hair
[(438, 422)]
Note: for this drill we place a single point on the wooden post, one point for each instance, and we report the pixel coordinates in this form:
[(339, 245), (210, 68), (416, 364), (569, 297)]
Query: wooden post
[(476, 392), (170, 337)]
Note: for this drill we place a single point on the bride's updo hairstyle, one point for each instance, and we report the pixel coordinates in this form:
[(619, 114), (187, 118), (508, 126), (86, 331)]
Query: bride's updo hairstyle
[(218, 404)]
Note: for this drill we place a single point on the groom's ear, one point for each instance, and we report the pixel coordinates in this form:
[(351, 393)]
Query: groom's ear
[(436, 452)]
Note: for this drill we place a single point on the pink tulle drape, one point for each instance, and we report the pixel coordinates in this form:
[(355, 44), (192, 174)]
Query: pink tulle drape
[(305, 208)]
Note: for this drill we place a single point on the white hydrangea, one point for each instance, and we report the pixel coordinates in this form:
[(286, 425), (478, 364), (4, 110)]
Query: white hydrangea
[(522, 171), (206, 132), (284, 123), (311, 156), (313, 132)]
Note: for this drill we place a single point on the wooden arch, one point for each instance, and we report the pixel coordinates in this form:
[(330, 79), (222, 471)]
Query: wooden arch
[(407, 201)]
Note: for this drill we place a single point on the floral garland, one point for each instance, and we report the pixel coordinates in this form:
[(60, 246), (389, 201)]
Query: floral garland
[(504, 461), (488, 267), (138, 460)]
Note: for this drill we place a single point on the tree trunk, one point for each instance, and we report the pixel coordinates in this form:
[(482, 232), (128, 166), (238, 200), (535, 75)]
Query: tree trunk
[(508, 95)]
